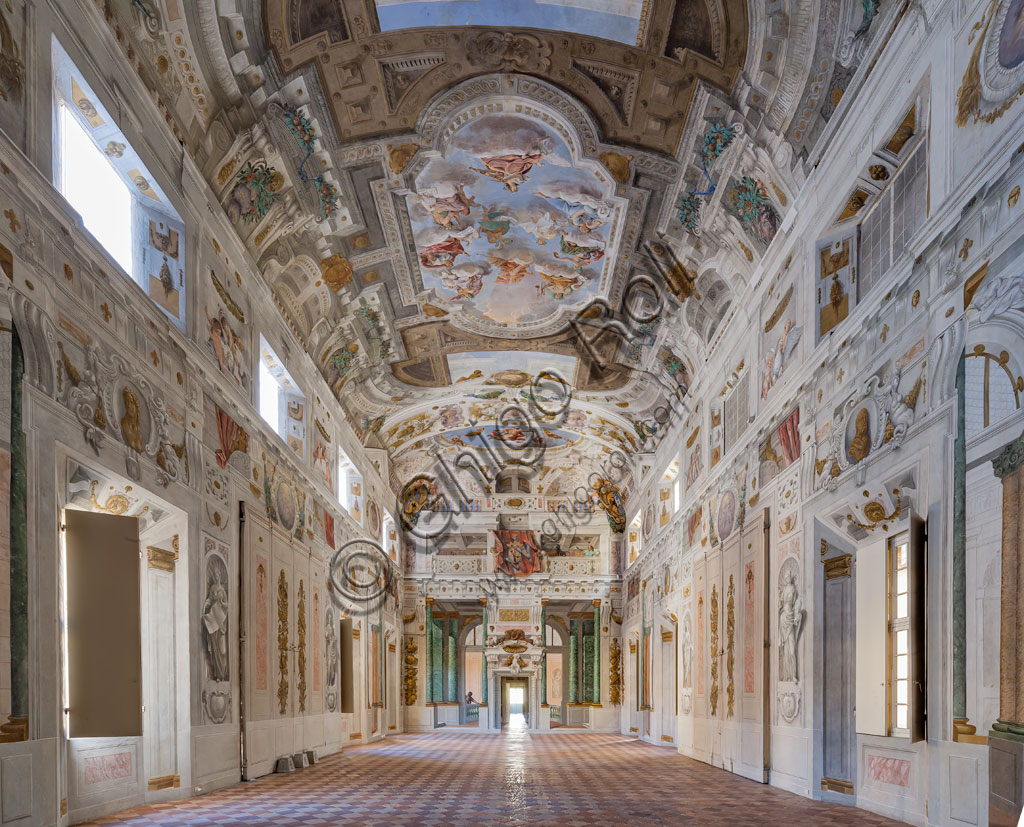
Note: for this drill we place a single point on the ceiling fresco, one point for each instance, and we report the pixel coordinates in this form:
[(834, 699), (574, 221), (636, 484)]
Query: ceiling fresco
[(507, 225), (443, 194)]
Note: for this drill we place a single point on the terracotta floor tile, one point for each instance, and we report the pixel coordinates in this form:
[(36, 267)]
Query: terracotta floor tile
[(457, 778)]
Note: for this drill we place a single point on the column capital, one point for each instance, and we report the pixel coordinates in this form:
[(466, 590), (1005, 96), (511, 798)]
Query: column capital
[(428, 601), (1010, 458), (544, 601), (596, 602)]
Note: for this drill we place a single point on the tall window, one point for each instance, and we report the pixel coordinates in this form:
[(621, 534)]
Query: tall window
[(350, 487), (635, 538), (899, 633), (105, 181), (282, 404), (899, 210), (389, 536)]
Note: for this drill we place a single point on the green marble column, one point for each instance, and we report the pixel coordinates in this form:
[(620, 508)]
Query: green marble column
[(430, 653), (19, 539), (544, 643), (595, 693), (960, 548), (483, 667), (574, 681), (452, 664)]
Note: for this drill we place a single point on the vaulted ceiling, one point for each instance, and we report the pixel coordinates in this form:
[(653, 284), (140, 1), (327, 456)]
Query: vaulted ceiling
[(442, 195)]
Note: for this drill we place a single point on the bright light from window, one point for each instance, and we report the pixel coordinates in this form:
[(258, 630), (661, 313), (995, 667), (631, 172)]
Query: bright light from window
[(95, 190), (342, 480), (269, 390)]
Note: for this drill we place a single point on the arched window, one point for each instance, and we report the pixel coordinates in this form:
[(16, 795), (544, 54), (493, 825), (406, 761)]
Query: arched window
[(993, 386)]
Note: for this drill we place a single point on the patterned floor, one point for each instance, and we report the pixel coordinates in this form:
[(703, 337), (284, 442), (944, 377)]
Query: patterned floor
[(458, 778)]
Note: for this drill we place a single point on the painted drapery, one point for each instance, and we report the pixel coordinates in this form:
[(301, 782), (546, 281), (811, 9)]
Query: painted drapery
[(516, 553)]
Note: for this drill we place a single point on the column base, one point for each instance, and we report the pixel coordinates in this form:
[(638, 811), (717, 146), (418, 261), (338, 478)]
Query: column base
[(965, 732), (1005, 778), (16, 729)]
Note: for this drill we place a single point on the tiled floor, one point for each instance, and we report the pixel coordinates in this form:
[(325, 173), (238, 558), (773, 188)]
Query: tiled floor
[(460, 778)]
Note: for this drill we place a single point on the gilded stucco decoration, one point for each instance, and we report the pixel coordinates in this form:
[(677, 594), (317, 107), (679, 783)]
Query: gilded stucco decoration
[(300, 630), (877, 414), (109, 398), (282, 642), (994, 76), (730, 636), (411, 680), (713, 651), (614, 672)]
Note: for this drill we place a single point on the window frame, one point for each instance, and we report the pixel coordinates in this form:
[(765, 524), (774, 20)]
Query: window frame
[(148, 200), (272, 367), (898, 623)]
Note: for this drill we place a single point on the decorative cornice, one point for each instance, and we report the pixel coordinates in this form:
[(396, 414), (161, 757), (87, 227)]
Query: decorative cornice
[(1010, 458)]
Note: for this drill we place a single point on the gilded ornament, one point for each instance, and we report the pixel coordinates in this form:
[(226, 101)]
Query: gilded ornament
[(730, 634), (117, 504), (336, 272), (282, 642), (300, 628), (916, 298), (714, 650), (1014, 196), (969, 96), (225, 172), (225, 297), (400, 156), (617, 165), (779, 310), (130, 428), (614, 672), (875, 513), (411, 671), (878, 172)]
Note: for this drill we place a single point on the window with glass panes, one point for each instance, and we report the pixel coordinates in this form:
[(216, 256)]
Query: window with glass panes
[(899, 634)]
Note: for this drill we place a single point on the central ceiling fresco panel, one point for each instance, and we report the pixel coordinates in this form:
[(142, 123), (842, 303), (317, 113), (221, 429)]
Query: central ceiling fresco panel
[(509, 226)]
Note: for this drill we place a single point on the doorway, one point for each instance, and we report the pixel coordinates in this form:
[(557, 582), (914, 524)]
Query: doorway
[(516, 700), (125, 646), (515, 705)]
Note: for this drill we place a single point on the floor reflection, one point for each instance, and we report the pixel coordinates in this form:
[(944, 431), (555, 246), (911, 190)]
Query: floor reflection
[(515, 782)]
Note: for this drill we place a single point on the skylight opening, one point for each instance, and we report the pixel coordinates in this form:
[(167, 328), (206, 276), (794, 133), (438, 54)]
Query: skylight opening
[(609, 19)]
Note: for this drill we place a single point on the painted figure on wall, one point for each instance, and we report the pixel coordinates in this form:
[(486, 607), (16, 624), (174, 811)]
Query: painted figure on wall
[(687, 652), (322, 463), (442, 253), (448, 210), (509, 170), (215, 619), (775, 359), (791, 619), (557, 286), (228, 347), (484, 211)]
